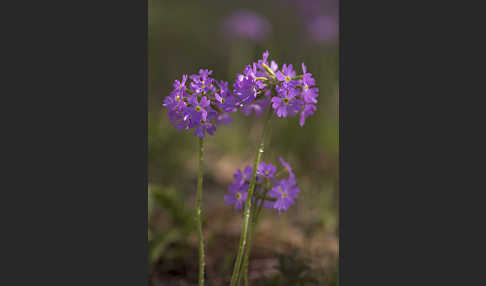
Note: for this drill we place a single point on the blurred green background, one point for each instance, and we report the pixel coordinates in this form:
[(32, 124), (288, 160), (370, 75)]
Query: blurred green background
[(300, 247)]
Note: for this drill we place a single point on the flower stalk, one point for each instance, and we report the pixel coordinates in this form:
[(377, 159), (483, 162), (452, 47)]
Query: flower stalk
[(198, 212), (254, 216), (247, 207)]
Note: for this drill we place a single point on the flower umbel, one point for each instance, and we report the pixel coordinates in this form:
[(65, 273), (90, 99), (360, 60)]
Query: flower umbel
[(202, 105), (289, 94), (281, 192)]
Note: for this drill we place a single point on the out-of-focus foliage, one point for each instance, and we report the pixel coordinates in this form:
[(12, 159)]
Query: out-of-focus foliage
[(179, 225)]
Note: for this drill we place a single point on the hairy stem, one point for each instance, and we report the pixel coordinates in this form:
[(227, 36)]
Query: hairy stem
[(246, 210), (198, 212)]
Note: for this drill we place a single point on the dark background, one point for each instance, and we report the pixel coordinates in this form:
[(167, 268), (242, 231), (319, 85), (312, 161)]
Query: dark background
[(184, 36)]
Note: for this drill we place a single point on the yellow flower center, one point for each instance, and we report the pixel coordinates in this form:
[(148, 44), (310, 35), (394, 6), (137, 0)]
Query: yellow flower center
[(266, 172), (198, 108), (203, 86), (306, 88), (286, 101), (238, 196), (284, 195), (287, 78), (178, 98)]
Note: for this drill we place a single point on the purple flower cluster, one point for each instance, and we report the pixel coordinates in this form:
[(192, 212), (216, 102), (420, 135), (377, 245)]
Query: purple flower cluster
[(263, 83), (275, 192), (199, 102)]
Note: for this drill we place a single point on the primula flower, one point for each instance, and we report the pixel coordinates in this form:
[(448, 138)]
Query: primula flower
[(202, 83), (308, 111), (204, 127), (199, 110), (180, 86), (307, 77), (242, 179), (170, 102), (285, 192), (310, 94), (286, 103), (267, 170), (236, 197), (286, 76)]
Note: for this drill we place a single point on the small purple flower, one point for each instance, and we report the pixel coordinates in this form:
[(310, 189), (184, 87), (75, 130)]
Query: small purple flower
[(180, 85), (242, 179), (286, 75), (236, 197), (310, 94), (177, 97), (203, 127), (202, 83), (199, 109), (285, 192), (267, 170), (239, 188), (170, 102), (306, 112), (286, 103), (307, 78), (181, 122)]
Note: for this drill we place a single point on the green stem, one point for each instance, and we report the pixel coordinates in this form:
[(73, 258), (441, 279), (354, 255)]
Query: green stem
[(261, 78), (244, 269), (265, 198), (198, 212), (255, 216), (246, 210), (244, 272)]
